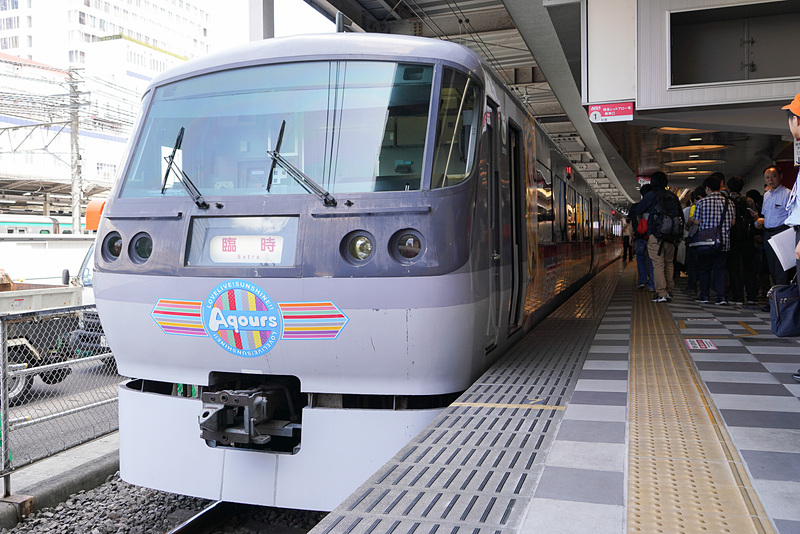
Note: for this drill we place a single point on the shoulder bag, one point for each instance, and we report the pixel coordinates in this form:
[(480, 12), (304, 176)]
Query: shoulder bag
[(710, 239), (784, 309)]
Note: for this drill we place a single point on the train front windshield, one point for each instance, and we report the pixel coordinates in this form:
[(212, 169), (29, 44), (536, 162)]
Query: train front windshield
[(350, 126)]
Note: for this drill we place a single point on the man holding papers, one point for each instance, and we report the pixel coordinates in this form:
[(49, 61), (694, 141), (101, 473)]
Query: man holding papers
[(774, 221)]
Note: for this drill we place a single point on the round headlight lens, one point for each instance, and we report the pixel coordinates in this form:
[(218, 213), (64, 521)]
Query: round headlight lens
[(360, 248), (113, 246), (409, 246), (142, 246)]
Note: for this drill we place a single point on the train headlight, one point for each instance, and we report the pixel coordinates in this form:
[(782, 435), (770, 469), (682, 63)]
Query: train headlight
[(112, 246), (357, 247), (407, 246), (141, 247)]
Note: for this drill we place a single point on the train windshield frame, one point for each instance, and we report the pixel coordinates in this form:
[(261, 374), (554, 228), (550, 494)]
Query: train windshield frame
[(351, 126)]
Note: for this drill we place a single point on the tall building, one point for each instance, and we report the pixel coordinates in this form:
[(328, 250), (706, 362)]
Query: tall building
[(80, 64), (61, 32)]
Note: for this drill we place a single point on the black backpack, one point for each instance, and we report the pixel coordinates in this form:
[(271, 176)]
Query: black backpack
[(742, 230), (666, 219)]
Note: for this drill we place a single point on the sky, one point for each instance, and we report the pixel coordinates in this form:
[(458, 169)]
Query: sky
[(229, 21)]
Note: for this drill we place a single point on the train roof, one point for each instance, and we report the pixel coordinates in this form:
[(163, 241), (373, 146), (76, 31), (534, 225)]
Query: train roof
[(325, 46)]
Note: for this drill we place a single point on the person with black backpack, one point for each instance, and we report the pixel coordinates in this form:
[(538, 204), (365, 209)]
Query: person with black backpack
[(742, 257), (665, 224)]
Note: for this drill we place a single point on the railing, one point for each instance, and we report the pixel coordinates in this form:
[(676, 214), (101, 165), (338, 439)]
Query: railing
[(58, 385)]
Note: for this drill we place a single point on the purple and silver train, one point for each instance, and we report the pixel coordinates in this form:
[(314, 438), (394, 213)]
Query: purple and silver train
[(316, 243)]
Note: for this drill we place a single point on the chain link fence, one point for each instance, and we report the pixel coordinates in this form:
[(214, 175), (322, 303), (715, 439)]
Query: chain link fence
[(58, 383)]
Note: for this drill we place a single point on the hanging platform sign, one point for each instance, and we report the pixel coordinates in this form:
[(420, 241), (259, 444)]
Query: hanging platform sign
[(620, 111)]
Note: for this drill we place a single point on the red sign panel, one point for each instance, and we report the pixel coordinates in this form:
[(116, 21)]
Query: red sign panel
[(621, 111)]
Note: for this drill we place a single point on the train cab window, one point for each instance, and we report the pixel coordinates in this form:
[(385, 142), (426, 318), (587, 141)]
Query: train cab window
[(456, 130), (350, 126)]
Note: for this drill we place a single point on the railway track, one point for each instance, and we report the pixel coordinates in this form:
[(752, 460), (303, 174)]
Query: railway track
[(234, 518)]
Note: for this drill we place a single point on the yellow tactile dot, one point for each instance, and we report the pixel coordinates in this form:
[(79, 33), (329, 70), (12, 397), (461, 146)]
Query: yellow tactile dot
[(684, 474)]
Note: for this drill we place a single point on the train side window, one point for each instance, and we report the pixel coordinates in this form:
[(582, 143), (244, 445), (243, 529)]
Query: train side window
[(544, 204), (572, 216), (456, 130), (560, 204)]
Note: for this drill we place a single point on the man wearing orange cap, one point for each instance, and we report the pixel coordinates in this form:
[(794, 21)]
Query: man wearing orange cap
[(793, 205)]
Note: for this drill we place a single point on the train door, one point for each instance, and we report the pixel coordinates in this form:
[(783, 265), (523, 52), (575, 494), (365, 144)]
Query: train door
[(493, 127), (516, 186)]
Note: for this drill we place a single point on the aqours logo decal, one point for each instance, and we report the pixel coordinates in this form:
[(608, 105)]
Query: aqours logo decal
[(242, 319)]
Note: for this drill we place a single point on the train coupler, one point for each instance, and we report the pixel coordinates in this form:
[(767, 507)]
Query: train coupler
[(246, 419)]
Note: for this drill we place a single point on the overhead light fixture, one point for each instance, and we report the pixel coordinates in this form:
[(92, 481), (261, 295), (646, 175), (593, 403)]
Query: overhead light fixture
[(690, 177), (694, 148), (693, 174), (682, 131), (695, 139), (693, 162), (3, 201)]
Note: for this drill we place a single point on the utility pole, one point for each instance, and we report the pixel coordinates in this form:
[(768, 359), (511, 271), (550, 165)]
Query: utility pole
[(74, 125)]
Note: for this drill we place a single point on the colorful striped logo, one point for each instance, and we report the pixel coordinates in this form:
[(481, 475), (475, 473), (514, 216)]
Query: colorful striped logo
[(311, 320), (241, 318), (181, 317)]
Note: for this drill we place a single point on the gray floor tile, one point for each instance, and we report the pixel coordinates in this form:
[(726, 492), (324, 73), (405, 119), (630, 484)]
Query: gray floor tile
[(590, 412), (591, 431), (587, 455), (756, 419), (700, 332), (779, 499), (622, 336), (738, 377), (779, 358), (608, 349), (748, 389), (548, 516), (787, 527), (584, 485), (787, 403), (716, 356), (771, 465), (746, 367), (599, 397), (604, 374), (766, 439), (610, 365), (785, 368), (791, 350), (619, 386), (620, 357)]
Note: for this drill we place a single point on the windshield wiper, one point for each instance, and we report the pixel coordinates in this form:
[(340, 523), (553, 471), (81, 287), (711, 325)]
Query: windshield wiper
[(299, 176), (185, 181)]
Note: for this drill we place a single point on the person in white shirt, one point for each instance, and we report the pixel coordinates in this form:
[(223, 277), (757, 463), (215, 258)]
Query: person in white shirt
[(774, 221)]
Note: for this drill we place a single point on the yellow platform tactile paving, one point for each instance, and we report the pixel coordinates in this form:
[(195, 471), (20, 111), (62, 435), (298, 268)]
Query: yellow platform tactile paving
[(684, 474)]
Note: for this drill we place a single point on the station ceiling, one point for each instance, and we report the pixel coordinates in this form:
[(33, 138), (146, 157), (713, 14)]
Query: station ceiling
[(535, 45)]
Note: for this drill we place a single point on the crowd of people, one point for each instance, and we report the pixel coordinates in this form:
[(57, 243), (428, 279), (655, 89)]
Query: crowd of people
[(724, 245), (740, 266)]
